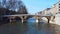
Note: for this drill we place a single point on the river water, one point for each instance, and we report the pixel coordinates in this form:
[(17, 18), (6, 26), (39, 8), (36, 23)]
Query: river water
[(29, 27)]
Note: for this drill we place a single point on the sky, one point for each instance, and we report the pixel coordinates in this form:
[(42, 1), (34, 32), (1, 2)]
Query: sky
[(34, 6)]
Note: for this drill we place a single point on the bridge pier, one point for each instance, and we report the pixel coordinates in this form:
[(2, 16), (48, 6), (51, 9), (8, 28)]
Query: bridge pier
[(23, 19), (37, 20), (11, 19), (49, 18)]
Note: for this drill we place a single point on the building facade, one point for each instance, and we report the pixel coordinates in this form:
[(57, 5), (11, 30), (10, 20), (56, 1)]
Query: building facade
[(55, 9)]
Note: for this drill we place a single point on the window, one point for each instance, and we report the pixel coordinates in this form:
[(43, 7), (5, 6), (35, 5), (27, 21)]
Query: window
[(59, 9), (57, 12), (59, 4)]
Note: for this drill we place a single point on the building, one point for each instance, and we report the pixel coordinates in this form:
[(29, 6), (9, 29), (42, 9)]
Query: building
[(46, 11), (40, 12), (55, 9)]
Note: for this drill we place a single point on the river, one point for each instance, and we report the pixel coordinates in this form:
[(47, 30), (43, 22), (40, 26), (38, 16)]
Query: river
[(29, 27)]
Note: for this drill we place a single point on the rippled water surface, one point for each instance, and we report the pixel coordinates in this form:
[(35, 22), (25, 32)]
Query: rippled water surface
[(29, 28)]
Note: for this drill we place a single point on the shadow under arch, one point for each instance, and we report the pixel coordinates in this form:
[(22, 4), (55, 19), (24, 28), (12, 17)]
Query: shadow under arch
[(17, 18)]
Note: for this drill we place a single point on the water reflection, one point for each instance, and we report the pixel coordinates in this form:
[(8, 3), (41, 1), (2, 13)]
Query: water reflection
[(27, 28)]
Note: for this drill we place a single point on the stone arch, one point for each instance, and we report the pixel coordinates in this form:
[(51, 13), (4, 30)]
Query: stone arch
[(48, 18), (31, 18), (17, 18), (45, 19)]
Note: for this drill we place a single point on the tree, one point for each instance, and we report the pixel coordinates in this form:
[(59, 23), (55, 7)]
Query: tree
[(22, 10), (15, 5)]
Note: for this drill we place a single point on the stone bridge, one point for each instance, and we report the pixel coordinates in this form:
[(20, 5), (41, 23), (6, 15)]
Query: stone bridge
[(25, 16)]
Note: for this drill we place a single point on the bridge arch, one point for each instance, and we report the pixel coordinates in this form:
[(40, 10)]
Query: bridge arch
[(17, 18), (44, 19), (32, 20), (48, 18)]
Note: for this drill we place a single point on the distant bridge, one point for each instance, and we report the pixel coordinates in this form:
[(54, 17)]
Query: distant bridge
[(25, 16)]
